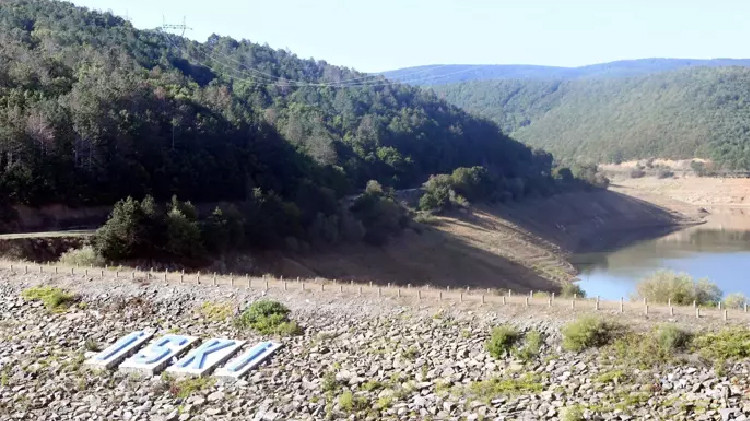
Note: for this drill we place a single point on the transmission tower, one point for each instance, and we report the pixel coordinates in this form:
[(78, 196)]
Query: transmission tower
[(182, 27)]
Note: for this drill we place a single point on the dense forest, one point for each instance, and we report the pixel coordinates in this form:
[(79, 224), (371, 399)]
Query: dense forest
[(443, 74), (692, 112), (93, 111)]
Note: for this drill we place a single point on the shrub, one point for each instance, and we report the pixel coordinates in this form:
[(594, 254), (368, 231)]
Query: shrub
[(588, 332), (85, 256), (664, 173), (732, 343), (129, 231), (680, 288), (671, 338), (501, 340), (532, 347), (572, 413), (735, 301), (570, 289), (54, 299), (487, 390), (637, 173), (350, 403), (268, 317)]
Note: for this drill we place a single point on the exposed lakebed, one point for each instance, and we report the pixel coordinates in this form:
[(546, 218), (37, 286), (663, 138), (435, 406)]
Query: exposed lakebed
[(718, 250)]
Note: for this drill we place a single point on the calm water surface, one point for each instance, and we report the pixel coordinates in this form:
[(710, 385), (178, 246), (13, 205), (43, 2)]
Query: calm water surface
[(718, 250)]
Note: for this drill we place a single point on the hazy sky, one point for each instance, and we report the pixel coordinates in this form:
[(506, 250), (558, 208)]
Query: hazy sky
[(389, 34)]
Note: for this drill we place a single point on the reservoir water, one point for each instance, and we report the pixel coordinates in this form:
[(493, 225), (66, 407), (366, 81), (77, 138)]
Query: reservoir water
[(718, 250)]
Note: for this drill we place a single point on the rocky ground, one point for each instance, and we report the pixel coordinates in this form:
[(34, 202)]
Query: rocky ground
[(359, 358)]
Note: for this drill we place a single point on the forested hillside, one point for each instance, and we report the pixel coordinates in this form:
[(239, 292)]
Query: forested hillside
[(93, 110), (442, 74), (692, 112)]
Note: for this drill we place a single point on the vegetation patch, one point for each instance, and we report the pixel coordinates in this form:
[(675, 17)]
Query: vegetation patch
[(268, 317), (216, 311), (532, 346), (589, 332), (570, 290), (54, 299), (501, 341), (728, 344), (681, 289), (735, 301), (348, 402), (184, 388), (486, 390), (85, 256)]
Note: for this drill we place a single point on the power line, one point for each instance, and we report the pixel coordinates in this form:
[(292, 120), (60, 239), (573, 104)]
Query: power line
[(259, 78)]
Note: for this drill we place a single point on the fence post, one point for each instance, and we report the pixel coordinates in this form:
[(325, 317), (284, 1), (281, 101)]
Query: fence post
[(359, 290), (527, 301), (531, 293), (85, 271), (40, 269), (697, 313), (26, 269), (379, 292), (102, 273), (419, 294), (508, 292), (597, 303), (461, 297), (671, 311), (165, 275), (726, 315), (440, 295), (303, 285), (744, 307), (646, 310), (622, 305), (719, 305), (322, 286), (504, 303), (694, 304), (482, 298), (231, 280), (573, 301), (55, 270), (247, 279), (214, 279), (398, 293), (341, 288), (284, 285), (182, 279), (198, 278), (550, 302)]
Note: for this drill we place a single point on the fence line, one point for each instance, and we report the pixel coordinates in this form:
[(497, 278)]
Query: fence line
[(480, 296)]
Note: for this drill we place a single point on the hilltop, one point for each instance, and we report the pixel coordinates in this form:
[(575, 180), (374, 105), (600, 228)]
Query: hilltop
[(444, 74)]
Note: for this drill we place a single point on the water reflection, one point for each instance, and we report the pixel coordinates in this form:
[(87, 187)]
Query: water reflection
[(719, 250)]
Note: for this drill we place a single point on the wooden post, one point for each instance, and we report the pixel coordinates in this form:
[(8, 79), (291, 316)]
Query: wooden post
[(645, 301), (132, 275), (531, 293), (266, 283), (622, 305), (359, 290), (198, 278), (461, 297), (671, 311), (398, 292), (482, 298), (744, 307), (341, 288), (26, 269), (322, 287), (553, 296), (117, 273), (646, 310), (303, 285), (440, 296), (379, 292), (508, 292), (419, 294), (697, 313), (182, 279), (85, 271), (550, 302), (669, 302), (597, 303), (719, 304), (102, 273), (40, 269), (726, 315), (694, 305), (214, 279), (284, 285), (247, 278), (504, 303), (370, 284), (573, 302), (527, 301), (55, 270)]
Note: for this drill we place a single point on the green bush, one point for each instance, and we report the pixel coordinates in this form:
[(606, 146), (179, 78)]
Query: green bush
[(728, 344), (671, 338), (735, 301), (85, 256), (572, 413), (570, 289), (680, 288), (54, 299), (350, 403), (268, 317), (532, 347), (501, 340), (589, 332)]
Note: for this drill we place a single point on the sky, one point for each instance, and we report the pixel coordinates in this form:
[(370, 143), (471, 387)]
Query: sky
[(373, 36)]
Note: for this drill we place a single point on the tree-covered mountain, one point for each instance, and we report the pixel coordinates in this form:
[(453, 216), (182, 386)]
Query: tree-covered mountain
[(93, 110), (441, 74), (691, 112)]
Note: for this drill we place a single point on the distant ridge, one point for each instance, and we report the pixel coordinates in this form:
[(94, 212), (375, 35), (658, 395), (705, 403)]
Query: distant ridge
[(440, 74)]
